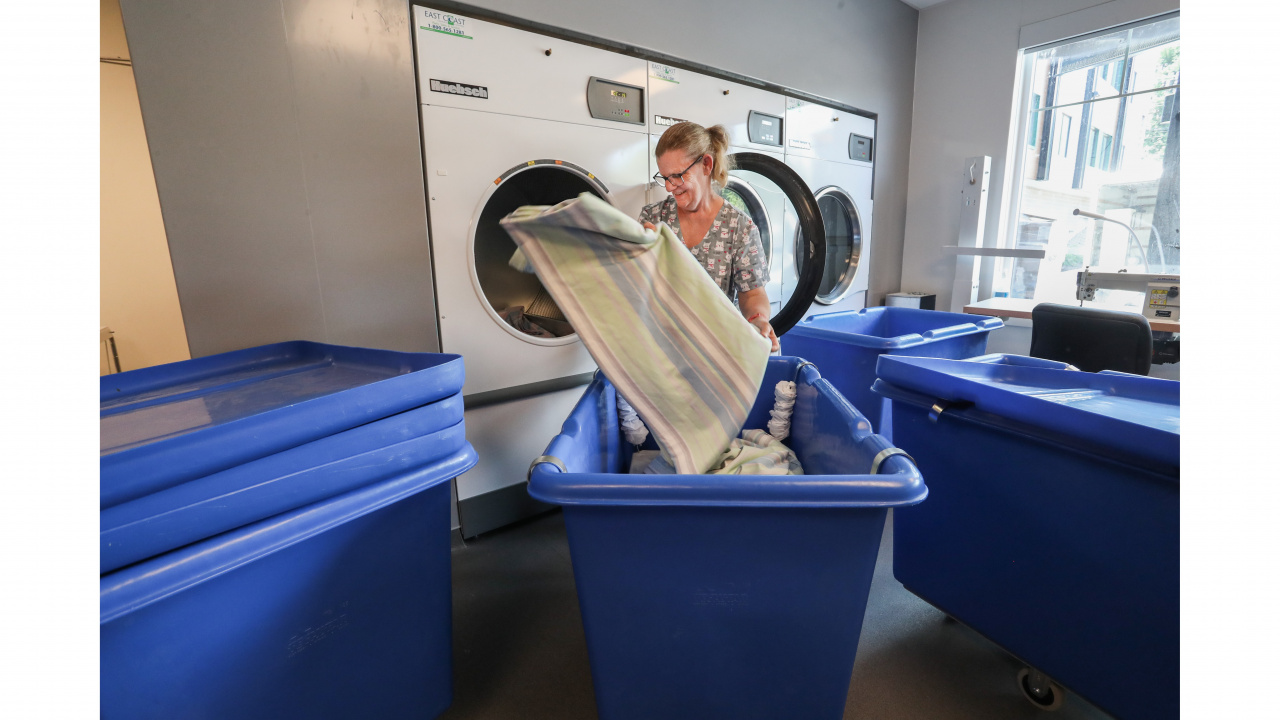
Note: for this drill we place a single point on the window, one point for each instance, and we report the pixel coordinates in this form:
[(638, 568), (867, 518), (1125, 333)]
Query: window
[(1111, 72), (1033, 127), (1112, 103), (1100, 149)]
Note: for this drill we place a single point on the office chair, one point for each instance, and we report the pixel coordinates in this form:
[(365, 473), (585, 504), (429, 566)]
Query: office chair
[(1091, 339)]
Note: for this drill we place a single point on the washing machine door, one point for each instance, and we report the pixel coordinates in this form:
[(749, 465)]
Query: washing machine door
[(777, 199), (843, 226), (519, 303)]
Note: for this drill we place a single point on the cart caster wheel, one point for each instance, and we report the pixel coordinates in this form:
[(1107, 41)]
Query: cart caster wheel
[(1040, 690)]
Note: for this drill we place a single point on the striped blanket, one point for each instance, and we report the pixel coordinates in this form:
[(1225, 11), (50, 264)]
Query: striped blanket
[(657, 325)]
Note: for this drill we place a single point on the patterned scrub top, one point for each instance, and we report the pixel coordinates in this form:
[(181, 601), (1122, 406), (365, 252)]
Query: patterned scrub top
[(731, 252)]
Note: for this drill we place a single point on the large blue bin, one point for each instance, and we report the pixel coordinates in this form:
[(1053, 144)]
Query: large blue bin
[(164, 425), (275, 534), (726, 596), (340, 609), (846, 345), (258, 489), (1052, 521)]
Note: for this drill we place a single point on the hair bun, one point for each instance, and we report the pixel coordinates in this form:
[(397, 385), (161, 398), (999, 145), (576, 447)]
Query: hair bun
[(695, 140)]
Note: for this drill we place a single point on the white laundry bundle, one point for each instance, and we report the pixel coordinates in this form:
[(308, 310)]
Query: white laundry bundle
[(784, 401), (633, 428)]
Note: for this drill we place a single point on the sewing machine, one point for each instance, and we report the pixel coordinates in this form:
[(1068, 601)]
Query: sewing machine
[(1162, 292), (1161, 303)]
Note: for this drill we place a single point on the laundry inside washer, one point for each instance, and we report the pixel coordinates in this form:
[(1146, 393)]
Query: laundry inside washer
[(517, 297)]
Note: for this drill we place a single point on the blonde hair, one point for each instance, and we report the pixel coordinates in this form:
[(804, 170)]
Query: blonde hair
[(695, 140)]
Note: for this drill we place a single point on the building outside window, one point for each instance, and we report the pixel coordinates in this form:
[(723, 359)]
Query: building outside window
[(1119, 91)]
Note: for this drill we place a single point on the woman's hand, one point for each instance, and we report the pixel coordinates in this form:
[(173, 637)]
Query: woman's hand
[(766, 330), (650, 226), (754, 305)]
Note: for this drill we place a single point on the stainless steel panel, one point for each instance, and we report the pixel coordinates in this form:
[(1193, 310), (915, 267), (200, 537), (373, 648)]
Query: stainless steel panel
[(285, 146), (355, 95), (214, 86)]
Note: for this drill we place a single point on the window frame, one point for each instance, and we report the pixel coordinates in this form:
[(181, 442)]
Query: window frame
[(1020, 151)]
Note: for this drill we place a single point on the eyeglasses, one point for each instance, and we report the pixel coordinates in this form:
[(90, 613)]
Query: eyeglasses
[(676, 179)]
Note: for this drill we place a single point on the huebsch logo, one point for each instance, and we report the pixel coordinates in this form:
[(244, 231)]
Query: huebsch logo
[(453, 88)]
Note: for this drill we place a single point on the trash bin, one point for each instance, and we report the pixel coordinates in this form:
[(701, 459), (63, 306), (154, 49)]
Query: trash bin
[(725, 596), (275, 534), (339, 609), (846, 345), (1052, 522)]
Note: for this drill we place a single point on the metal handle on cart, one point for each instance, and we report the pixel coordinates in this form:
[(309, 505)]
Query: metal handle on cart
[(936, 411), (801, 367), (552, 459), (885, 455)]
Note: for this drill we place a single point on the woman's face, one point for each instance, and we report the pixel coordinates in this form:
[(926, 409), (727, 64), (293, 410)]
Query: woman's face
[(696, 188)]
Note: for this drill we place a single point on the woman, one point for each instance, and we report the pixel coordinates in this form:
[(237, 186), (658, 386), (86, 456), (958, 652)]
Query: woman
[(692, 161)]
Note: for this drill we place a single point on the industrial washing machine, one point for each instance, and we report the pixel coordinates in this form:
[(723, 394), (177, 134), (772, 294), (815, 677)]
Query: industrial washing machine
[(512, 118), (833, 150), (761, 185)]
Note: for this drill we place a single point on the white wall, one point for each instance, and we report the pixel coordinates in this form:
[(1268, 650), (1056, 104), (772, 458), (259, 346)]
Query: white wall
[(967, 56), (139, 299), (860, 52)]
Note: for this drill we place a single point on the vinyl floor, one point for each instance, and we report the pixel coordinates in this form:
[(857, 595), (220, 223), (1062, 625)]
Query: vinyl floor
[(519, 650)]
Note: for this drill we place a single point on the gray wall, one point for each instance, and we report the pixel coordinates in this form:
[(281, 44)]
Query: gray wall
[(964, 99), (284, 137), (860, 52)]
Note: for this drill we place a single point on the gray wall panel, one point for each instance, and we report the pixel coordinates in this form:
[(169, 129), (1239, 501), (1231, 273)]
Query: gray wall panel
[(357, 112), (285, 141), (214, 86)]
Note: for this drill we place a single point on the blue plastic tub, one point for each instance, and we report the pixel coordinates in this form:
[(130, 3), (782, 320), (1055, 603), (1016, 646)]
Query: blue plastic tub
[(165, 425), (1052, 521), (726, 596), (846, 345), (198, 509), (341, 609)]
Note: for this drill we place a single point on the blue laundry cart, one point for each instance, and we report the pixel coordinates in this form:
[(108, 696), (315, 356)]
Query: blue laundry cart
[(1052, 522), (164, 425), (339, 609), (846, 345), (274, 533), (725, 596)]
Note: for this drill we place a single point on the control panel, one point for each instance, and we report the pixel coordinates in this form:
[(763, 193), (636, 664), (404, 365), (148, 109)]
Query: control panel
[(1163, 302), (859, 148), (764, 129), (608, 100)]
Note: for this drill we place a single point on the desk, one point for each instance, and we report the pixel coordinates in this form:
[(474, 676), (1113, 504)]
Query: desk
[(1021, 308)]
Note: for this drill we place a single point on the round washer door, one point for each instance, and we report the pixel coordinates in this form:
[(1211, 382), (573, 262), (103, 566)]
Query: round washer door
[(516, 300), (775, 186), (843, 225)]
